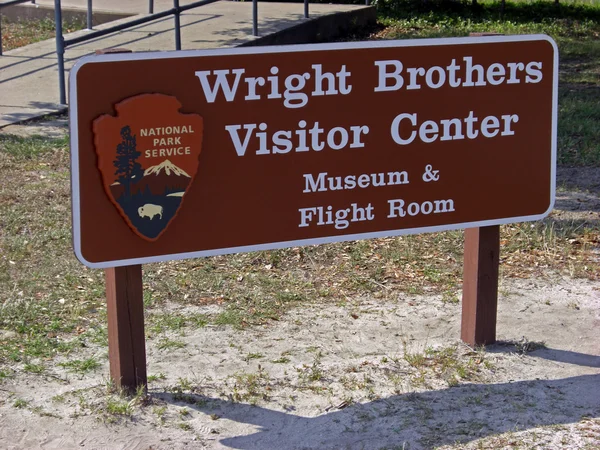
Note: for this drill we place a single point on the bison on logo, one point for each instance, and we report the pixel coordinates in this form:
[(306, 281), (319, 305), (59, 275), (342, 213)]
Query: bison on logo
[(148, 157)]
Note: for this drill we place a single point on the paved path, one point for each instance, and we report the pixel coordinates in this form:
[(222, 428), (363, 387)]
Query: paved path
[(124, 6), (29, 75)]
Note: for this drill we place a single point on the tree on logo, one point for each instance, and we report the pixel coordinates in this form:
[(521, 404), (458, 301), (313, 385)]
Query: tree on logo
[(128, 169)]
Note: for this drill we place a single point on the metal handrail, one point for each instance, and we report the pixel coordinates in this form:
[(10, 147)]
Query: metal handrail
[(135, 22), (5, 4), (62, 43)]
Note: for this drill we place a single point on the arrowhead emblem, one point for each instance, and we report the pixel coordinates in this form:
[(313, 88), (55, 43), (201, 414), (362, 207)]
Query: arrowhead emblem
[(148, 158)]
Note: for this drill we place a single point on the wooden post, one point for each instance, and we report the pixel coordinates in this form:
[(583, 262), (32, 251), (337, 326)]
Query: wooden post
[(126, 339), (480, 285)]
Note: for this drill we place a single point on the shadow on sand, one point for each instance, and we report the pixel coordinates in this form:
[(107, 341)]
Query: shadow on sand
[(418, 419)]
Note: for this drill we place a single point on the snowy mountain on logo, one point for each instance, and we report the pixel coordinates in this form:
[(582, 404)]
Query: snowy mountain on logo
[(166, 166), (163, 179)]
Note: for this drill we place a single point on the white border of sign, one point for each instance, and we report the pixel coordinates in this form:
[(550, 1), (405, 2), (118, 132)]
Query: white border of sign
[(287, 49)]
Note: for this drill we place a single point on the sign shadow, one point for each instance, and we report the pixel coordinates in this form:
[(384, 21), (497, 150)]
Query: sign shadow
[(539, 350), (426, 419)]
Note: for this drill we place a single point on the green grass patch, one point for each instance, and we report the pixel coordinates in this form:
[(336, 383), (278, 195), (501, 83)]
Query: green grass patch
[(48, 299), (34, 368), (28, 31), (170, 344), (23, 148), (20, 403), (311, 373), (452, 364), (251, 356), (118, 407), (281, 360), (158, 322), (230, 317), (81, 366), (156, 377), (251, 387), (39, 328)]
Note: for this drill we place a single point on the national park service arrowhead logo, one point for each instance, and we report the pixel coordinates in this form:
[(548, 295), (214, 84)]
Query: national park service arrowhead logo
[(148, 156)]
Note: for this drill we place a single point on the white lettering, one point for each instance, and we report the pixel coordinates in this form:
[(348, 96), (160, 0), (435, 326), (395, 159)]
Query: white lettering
[(222, 83)]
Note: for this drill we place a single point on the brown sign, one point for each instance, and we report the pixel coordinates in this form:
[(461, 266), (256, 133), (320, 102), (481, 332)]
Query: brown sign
[(198, 153)]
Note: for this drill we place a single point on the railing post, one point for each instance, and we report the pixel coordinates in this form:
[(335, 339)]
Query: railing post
[(89, 15), (177, 25), (306, 9), (60, 51), (0, 33), (150, 6), (255, 17)]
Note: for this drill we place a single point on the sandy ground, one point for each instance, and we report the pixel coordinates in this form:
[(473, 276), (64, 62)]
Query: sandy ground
[(368, 374), (367, 396)]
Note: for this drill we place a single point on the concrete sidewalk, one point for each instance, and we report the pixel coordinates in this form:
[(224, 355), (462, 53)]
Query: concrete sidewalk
[(121, 6), (29, 75)]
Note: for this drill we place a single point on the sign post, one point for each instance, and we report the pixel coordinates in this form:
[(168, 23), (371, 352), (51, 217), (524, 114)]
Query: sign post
[(126, 340), (480, 285), (235, 150)]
